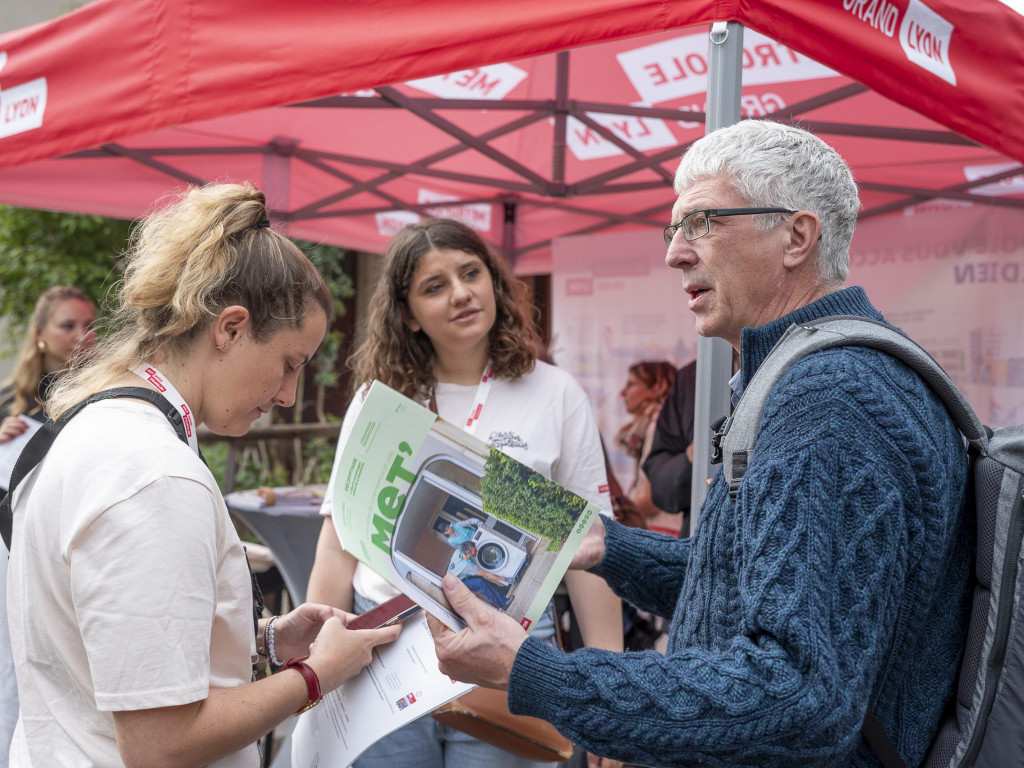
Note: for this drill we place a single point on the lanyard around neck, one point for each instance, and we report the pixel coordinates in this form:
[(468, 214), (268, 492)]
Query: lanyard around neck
[(483, 390), (171, 394)]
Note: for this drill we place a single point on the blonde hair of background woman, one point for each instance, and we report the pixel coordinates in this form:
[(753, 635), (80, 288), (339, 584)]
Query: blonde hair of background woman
[(28, 368), (208, 250)]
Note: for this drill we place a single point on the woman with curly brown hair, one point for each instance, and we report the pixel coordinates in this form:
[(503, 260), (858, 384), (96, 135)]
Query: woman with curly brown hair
[(448, 326)]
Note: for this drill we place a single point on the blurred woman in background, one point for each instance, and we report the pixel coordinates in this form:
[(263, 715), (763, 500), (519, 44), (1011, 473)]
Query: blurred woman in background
[(647, 386), (61, 328)]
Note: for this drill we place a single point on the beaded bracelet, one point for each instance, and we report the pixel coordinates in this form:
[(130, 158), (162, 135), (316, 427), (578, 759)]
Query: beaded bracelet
[(268, 641)]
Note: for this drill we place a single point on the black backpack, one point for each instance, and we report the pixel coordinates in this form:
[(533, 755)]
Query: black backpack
[(984, 725), (39, 444)]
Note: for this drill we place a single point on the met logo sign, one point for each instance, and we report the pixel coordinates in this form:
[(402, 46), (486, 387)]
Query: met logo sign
[(21, 106)]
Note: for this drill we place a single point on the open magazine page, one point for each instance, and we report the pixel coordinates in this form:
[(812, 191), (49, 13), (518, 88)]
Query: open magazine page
[(401, 684), (415, 498)]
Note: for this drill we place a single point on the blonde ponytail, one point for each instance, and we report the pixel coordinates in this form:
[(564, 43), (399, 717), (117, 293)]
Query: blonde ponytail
[(210, 249)]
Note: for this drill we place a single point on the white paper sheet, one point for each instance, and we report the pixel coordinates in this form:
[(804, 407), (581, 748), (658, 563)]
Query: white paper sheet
[(11, 450), (401, 684)]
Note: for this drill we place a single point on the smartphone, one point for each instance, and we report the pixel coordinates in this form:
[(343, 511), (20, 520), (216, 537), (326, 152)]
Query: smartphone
[(384, 615)]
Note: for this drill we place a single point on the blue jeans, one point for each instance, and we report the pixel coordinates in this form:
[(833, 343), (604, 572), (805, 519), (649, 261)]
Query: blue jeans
[(489, 591), (425, 743)]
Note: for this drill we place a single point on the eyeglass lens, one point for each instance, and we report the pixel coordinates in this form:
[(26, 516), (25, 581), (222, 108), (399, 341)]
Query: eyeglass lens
[(698, 223), (695, 225)]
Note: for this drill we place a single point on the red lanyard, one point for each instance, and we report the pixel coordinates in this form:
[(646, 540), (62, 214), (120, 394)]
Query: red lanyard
[(483, 390), (168, 390)]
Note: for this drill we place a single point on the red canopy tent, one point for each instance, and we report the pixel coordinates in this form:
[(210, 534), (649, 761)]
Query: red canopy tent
[(530, 120)]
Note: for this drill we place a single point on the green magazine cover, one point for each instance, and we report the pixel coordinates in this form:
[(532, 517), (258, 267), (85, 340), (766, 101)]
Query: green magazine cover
[(415, 498)]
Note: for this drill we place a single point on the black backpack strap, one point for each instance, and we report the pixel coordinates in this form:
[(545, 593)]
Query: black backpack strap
[(39, 444), (874, 734)]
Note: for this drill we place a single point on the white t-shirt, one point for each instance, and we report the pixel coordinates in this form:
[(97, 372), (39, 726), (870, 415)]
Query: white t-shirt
[(128, 587), (543, 420)]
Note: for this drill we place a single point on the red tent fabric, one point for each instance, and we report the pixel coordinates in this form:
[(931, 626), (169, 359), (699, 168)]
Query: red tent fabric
[(475, 114)]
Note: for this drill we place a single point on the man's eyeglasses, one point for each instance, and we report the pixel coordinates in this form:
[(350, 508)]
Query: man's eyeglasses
[(697, 224)]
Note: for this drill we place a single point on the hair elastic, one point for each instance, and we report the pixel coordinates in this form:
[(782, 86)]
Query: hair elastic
[(262, 223)]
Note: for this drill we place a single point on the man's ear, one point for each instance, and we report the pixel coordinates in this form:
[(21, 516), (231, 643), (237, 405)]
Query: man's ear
[(232, 324), (804, 231)]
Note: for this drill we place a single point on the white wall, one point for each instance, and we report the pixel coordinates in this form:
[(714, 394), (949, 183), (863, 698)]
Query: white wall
[(949, 275)]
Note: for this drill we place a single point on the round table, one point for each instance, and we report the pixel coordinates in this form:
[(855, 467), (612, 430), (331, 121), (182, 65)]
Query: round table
[(289, 527)]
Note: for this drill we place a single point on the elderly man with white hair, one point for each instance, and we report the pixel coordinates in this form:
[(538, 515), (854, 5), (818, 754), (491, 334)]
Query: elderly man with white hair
[(837, 580)]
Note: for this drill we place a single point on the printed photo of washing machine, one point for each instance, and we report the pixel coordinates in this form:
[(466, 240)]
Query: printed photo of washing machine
[(443, 511), (502, 549)]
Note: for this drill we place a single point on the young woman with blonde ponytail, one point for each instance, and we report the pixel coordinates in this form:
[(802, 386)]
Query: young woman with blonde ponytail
[(132, 618)]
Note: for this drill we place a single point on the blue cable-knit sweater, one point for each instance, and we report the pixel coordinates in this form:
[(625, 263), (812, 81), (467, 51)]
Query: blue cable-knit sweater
[(838, 579)]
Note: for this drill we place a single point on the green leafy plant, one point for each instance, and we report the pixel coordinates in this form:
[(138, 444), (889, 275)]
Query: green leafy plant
[(528, 499), (330, 262), (40, 249)]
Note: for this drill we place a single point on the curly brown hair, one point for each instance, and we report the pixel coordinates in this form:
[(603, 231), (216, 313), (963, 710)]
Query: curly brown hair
[(403, 359)]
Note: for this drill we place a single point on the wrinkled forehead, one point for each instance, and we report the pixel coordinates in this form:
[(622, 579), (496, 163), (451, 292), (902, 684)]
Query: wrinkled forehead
[(707, 192)]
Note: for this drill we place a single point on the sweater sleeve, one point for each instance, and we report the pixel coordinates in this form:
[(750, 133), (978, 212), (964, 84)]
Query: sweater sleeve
[(644, 567), (793, 601)]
